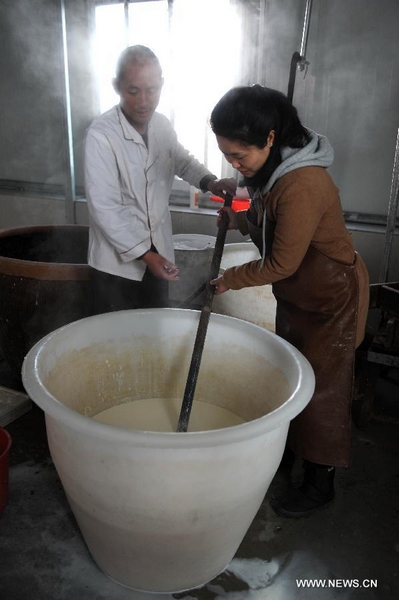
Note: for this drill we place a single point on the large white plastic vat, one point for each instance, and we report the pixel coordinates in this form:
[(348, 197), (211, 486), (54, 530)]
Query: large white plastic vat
[(165, 511), (254, 304)]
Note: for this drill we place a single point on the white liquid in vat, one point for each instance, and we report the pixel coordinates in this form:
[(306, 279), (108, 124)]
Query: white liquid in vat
[(162, 414)]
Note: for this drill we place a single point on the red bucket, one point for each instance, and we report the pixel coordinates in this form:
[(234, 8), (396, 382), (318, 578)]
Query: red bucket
[(5, 445)]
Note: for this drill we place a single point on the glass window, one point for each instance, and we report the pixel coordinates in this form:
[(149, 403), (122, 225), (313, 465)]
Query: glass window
[(200, 60)]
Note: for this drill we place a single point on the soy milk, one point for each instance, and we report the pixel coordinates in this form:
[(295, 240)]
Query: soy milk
[(162, 415)]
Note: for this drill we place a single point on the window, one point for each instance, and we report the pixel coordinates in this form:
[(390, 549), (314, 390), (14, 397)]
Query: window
[(198, 43)]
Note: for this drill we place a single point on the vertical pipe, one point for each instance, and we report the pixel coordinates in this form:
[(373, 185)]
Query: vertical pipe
[(298, 60), (126, 11), (170, 13), (70, 196), (261, 44), (391, 216), (305, 29), (170, 56), (296, 57)]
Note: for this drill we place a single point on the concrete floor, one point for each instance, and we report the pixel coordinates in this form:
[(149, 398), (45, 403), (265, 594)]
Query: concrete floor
[(356, 539)]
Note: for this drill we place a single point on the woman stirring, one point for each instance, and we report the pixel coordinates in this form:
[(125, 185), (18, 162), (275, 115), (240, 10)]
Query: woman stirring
[(320, 283)]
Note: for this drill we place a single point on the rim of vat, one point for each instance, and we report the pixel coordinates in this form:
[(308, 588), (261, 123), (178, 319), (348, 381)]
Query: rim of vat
[(76, 421), (36, 269)]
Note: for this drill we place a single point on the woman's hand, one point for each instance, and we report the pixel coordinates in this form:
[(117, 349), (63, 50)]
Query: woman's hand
[(231, 215), (220, 286), (160, 266)]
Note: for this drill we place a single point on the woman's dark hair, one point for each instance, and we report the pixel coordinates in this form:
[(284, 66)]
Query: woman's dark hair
[(248, 114)]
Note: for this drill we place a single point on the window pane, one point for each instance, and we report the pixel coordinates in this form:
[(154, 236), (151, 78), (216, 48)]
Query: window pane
[(200, 61), (110, 40), (204, 63), (148, 25)]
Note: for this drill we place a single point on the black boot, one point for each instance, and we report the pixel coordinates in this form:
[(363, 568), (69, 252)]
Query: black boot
[(316, 491), (287, 461)]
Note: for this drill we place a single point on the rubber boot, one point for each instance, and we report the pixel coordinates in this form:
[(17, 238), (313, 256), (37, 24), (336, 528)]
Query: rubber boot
[(287, 461), (315, 492)]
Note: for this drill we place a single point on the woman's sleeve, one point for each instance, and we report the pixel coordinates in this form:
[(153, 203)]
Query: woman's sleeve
[(297, 213)]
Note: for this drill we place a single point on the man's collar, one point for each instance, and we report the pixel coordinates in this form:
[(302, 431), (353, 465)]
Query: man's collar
[(129, 132)]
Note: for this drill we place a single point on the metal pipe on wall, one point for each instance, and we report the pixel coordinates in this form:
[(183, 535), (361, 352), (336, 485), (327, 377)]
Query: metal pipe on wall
[(261, 41), (126, 12), (70, 186), (391, 216), (298, 60), (305, 33)]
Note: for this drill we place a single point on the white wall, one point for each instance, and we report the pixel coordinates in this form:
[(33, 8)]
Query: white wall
[(351, 89)]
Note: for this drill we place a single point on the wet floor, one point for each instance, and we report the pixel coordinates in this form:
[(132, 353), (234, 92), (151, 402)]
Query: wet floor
[(349, 550)]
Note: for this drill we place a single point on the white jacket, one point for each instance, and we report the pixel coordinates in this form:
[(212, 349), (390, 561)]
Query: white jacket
[(128, 188)]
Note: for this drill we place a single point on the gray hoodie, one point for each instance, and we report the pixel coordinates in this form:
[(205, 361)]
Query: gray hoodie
[(317, 153)]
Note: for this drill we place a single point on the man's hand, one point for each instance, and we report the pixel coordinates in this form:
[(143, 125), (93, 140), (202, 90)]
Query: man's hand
[(160, 266), (219, 187)]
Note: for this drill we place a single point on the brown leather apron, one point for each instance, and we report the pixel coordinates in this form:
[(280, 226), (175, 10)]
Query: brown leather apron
[(317, 312)]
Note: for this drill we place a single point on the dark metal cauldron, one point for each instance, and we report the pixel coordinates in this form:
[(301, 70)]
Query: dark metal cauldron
[(45, 282)]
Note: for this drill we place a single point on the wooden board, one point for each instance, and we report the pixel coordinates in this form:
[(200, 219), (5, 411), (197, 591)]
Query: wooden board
[(13, 404)]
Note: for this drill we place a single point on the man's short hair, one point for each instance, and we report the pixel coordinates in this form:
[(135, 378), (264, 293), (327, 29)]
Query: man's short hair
[(138, 55)]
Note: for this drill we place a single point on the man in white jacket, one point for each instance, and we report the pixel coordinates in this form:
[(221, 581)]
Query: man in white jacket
[(131, 157)]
